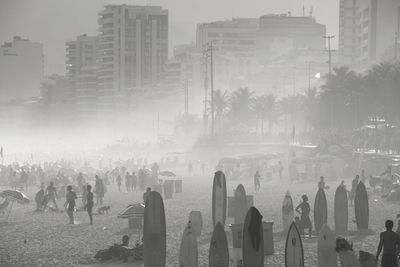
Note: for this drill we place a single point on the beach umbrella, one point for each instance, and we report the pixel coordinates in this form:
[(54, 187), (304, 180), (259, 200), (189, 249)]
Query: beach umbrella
[(168, 174), (14, 196), (132, 211)]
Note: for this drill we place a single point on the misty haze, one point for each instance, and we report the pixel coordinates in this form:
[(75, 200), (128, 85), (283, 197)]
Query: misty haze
[(200, 133)]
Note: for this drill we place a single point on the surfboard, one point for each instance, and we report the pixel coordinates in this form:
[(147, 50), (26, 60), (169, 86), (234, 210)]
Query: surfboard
[(188, 253), (287, 212), (320, 210), (294, 255), (253, 239), (219, 252), (219, 199), (341, 212), (326, 248), (240, 205), (361, 207), (196, 220), (154, 231)]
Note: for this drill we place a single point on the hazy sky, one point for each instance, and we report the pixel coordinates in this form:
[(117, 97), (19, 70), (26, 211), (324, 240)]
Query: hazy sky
[(52, 22)]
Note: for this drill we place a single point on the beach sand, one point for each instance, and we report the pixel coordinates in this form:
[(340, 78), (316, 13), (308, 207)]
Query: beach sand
[(45, 239)]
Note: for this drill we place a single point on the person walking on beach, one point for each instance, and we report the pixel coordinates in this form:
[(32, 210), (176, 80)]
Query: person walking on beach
[(390, 242), (99, 190), (89, 202), (304, 215), (70, 203), (51, 193), (257, 181), (133, 181), (354, 185), (119, 181), (128, 182)]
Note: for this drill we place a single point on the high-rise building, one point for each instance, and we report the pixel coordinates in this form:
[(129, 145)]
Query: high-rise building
[(21, 69), (236, 36), (348, 40), (373, 34), (133, 48), (281, 34), (81, 73)]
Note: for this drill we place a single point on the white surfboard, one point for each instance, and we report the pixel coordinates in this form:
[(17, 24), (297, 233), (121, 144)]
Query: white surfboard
[(294, 255), (197, 222), (188, 253), (326, 248)]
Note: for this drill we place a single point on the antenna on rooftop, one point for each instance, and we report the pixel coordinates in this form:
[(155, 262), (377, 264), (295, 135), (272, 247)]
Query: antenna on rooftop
[(311, 11)]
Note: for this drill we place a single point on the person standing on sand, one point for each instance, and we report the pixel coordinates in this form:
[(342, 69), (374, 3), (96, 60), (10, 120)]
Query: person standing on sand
[(51, 193), (99, 190), (119, 181), (146, 194), (89, 202), (354, 185), (390, 242), (321, 183), (133, 182), (70, 203), (305, 214), (128, 182), (257, 181)]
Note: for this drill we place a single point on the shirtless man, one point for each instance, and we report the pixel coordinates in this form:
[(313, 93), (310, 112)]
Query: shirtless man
[(390, 242)]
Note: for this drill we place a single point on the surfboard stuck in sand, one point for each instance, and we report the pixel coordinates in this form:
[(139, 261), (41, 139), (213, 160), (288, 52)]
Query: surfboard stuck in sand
[(219, 199), (294, 255), (154, 231)]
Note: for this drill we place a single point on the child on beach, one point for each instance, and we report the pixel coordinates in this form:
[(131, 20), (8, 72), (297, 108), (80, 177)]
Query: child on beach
[(70, 203), (305, 215), (89, 202)]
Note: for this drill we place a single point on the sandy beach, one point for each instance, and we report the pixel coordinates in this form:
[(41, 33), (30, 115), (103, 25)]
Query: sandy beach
[(45, 239)]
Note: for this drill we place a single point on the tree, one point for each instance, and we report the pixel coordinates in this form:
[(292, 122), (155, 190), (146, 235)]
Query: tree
[(240, 106), (264, 109), (221, 106)]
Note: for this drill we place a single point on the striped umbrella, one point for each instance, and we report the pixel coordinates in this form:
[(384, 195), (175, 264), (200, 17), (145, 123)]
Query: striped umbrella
[(132, 211), (15, 195)]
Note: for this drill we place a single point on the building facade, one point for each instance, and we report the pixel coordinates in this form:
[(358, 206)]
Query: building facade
[(373, 35), (21, 69), (348, 40), (133, 48), (281, 34), (236, 36), (81, 65)]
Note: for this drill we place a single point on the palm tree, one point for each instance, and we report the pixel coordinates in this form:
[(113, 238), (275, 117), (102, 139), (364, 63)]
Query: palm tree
[(336, 92), (240, 105), (221, 105), (382, 84), (264, 108)]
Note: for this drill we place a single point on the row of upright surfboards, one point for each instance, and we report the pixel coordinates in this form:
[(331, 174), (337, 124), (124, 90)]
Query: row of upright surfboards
[(341, 211), (252, 235), (154, 229)]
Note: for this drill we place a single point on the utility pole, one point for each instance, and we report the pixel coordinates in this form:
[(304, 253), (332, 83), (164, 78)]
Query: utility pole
[(205, 62), (396, 38), (186, 93), (309, 75), (330, 69), (330, 52), (212, 88)]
